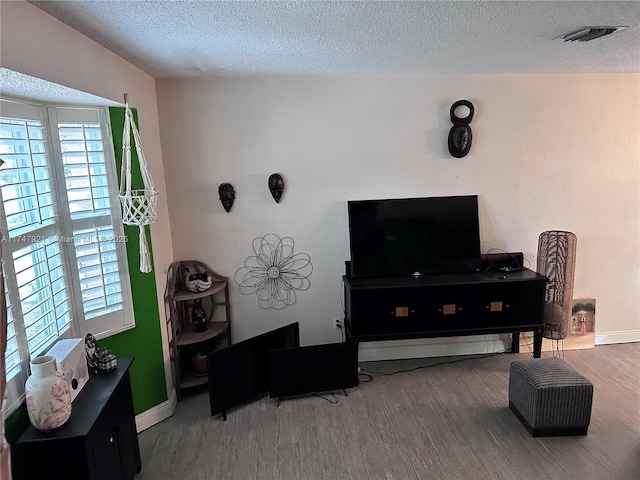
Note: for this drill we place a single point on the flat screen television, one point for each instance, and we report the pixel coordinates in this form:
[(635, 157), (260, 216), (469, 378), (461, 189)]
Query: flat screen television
[(313, 369), (240, 372), (414, 236)]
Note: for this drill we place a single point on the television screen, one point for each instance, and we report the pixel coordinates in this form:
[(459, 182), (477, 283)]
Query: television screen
[(240, 372), (414, 236), (315, 368)]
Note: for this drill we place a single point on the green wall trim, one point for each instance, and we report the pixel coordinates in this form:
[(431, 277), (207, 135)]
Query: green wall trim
[(144, 342)]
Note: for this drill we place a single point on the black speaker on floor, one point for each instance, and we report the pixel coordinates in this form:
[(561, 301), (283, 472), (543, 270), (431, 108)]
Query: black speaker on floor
[(239, 373), (313, 369)]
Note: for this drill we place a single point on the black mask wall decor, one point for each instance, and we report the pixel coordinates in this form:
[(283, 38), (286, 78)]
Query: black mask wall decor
[(276, 185), (460, 133), (227, 195)]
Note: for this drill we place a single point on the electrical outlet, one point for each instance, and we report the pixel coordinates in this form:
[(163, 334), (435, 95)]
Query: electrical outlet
[(336, 322)]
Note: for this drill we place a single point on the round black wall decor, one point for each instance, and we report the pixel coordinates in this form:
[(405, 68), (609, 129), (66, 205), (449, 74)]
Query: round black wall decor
[(460, 133)]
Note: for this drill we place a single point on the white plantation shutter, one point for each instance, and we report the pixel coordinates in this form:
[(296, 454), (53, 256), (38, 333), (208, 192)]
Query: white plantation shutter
[(64, 258), (31, 258), (22, 149), (99, 272), (44, 298), (90, 184), (25, 176)]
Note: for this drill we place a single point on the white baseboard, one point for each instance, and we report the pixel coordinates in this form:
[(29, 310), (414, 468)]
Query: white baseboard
[(471, 345), (156, 414), (624, 336), (433, 347)]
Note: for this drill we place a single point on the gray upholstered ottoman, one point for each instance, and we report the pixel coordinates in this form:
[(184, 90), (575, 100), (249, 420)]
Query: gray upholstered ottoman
[(549, 397)]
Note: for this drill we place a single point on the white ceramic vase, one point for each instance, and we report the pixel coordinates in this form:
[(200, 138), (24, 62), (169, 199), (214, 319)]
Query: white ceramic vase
[(48, 395)]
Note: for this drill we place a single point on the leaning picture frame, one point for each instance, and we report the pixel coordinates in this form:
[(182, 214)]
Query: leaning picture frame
[(581, 332)]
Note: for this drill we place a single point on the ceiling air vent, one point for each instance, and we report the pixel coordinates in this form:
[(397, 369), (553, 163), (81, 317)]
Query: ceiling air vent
[(590, 33)]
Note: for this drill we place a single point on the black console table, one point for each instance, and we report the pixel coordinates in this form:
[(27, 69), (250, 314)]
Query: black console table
[(391, 308), (99, 441)]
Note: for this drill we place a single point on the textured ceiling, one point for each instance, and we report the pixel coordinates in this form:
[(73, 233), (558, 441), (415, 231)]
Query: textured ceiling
[(19, 86), (201, 38)]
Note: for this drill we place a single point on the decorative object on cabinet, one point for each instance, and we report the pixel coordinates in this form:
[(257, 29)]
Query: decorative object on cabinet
[(276, 186), (138, 206), (185, 334), (91, 348), (227, 195), (97, 359), (99, 442), (107, 361), (274, 272), (556, 260), (460, 133), (48, 394), (71, 360)]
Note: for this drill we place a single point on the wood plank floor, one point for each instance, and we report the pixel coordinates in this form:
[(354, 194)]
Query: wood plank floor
[(449, 421)]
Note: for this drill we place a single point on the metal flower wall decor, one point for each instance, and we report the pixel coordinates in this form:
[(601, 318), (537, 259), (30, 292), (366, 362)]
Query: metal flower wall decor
[(274, 272)]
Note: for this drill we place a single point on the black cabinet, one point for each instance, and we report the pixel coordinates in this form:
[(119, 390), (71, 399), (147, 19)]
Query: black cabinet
[(388, 308), (98, 442)]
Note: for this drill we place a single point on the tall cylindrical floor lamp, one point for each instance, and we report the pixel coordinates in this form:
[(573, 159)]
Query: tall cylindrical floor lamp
[(556, 261)]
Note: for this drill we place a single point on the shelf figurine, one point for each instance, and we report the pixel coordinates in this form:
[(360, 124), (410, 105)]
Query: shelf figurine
[(199, 316)]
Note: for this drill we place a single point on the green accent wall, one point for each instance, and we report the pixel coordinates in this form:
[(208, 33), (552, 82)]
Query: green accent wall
[(144, 342), (16, 423)]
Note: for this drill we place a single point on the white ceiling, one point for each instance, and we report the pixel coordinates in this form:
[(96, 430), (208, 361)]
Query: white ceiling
[(203, 38), (20, 86)]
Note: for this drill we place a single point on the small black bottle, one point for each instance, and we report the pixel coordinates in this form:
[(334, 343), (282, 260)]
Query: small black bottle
[(199, 316)]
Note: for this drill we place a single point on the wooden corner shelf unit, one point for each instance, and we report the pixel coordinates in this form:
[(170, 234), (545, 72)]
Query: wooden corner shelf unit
[(181, 332)]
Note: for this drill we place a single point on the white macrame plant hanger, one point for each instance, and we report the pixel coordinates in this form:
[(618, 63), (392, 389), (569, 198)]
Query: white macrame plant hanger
[(138, 206)]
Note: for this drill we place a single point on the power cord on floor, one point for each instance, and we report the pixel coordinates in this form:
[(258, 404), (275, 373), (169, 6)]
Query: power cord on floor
[(327, 399), (432, 365), (370, 377)]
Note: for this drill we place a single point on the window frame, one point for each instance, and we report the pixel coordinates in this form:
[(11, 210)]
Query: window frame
[(101, 326)]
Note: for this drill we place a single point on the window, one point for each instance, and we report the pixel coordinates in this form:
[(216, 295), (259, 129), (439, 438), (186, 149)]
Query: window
[(63, 247)]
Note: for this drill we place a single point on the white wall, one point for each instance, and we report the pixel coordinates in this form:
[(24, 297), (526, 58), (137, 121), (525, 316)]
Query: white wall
[(549, 152), (36, 44)]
